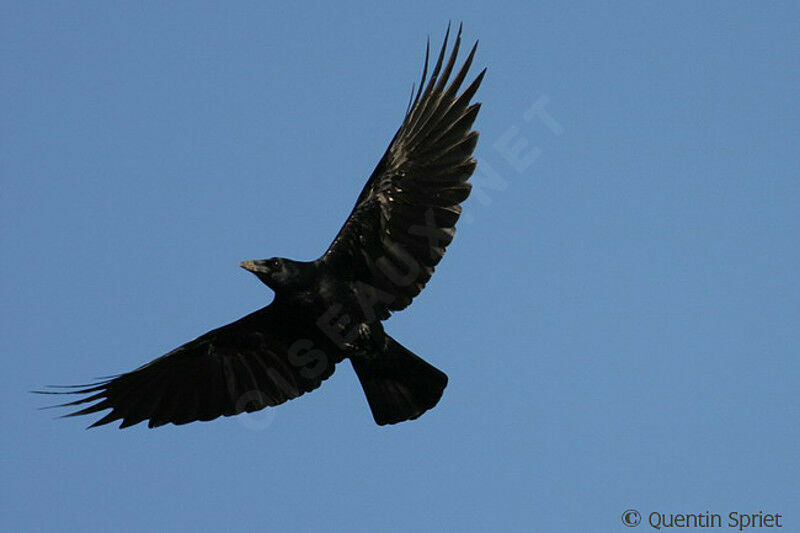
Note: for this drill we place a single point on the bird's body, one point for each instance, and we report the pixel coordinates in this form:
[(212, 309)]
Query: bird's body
[(331, 309), (310, 290)]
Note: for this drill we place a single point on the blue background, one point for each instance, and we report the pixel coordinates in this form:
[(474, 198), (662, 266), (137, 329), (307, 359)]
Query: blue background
[(618, 314)]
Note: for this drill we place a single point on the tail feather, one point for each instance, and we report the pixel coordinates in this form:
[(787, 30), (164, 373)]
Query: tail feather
[(398, 384)]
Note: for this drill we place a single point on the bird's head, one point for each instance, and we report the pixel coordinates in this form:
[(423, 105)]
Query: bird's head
[(276, 272)]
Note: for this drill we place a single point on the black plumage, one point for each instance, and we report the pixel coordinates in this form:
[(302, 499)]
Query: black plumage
[(330, 309)]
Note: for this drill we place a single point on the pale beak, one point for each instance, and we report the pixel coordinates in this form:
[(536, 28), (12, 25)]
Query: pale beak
[(250, 266)]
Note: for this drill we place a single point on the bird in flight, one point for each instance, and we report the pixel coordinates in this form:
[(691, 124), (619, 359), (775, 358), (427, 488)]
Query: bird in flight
[(330, 309)]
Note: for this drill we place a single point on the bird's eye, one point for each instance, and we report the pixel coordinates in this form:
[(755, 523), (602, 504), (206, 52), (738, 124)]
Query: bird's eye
[(275, 264)]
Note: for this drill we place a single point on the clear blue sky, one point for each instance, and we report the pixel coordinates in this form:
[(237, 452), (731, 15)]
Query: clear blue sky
[(618, 314)]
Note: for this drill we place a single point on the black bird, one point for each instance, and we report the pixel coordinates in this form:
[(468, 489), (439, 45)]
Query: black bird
[(331, 309)]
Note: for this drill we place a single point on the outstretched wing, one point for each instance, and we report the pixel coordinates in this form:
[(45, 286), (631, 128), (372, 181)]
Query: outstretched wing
[(405, 216), (263, 359)]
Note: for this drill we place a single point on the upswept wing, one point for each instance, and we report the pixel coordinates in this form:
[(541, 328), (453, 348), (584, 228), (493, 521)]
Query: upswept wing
[(261, 360), (406, 214)]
